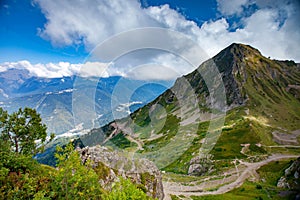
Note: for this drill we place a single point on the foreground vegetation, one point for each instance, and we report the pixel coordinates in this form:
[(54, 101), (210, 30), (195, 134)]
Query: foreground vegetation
[(22, 177)]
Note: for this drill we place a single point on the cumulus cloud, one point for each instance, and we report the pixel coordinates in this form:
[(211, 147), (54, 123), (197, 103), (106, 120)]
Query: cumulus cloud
[(49, 70), (91, 22), (63, 69), (96, 69), (272, 27), (152, 71), (75, 21), (232, 7)]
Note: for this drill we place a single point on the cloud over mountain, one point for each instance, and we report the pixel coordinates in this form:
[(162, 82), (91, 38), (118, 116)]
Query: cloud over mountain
[(49, 70), (268, 25), (94, 69), (271, 26)]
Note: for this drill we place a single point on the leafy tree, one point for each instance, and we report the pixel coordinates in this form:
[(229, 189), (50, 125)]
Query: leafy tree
[(22, 129), (73, 179), (21, 177)]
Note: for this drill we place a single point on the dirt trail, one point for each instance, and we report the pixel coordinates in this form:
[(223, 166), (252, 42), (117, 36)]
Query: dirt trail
[(197, 190), (139, 143)]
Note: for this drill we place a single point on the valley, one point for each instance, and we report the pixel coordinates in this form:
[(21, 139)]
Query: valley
[(261, 125), (149, 100), (55, 98), (207, 140), (221, 184)]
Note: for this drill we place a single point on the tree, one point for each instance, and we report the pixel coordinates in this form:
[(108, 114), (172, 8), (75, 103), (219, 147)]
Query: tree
[(23, 131), (73, 179)]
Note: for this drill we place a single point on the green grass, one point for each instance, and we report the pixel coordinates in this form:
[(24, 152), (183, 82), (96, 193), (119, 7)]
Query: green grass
[(169, 130), (181, 165), (121, 142), (248, 191), (273, 171), (174, 177), (228, 145), (235, 115), (266, 189), (286, 150), (269, 98)]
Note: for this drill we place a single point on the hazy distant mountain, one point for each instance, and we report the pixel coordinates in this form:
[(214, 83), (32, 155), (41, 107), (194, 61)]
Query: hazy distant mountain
[(52, 97)]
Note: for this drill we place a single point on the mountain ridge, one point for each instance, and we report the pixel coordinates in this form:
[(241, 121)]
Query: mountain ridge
[(260, 128), (256, 102)]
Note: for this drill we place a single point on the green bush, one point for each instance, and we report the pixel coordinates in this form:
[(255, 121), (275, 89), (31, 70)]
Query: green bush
[(125, 190), (74, 180)]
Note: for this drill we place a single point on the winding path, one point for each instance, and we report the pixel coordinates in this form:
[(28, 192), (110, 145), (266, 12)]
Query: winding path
[(131, 139), (197, 190)]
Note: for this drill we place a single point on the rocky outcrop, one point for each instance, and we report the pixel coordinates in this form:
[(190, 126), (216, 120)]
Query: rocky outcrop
[(201, 165), (110, 165), (291, 178)]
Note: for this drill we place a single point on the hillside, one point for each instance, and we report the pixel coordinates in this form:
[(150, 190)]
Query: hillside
[(259, 91), (262, 117)]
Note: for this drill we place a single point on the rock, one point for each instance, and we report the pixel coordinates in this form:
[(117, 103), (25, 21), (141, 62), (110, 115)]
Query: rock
[(294, 168), (200, 165), (110, 165), (282, 183), (291, 179), (296, 175)]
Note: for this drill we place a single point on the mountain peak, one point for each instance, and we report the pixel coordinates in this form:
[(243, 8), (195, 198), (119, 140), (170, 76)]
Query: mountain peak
[(238, 48), (234, 54)]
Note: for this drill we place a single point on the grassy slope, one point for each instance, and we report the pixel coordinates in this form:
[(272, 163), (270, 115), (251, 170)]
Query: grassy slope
[(266, 88), (267, 106), (264, 189)]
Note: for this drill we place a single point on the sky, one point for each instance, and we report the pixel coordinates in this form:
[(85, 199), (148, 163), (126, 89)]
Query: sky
[(53, 38)]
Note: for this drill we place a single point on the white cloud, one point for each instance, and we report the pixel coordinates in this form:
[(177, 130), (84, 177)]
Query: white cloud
[(267, 28), (231, 7), (272, 28), (96, 69), (75, 21), (49, 70), (153, 72)]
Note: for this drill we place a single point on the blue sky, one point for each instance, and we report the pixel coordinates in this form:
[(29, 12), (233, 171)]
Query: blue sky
[(40, 32), (20, 21), (19, 38)]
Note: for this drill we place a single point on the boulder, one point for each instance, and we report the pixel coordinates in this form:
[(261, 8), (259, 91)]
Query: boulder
[(201, 165), (291, 179)]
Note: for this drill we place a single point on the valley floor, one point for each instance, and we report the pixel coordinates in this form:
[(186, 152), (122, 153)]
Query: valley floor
[(220, 184)]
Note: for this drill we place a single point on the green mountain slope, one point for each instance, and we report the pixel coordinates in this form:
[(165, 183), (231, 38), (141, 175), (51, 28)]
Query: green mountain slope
[(262, 114)]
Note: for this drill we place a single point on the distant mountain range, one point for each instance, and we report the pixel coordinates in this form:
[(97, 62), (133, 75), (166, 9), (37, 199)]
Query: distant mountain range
[(53, 98)]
